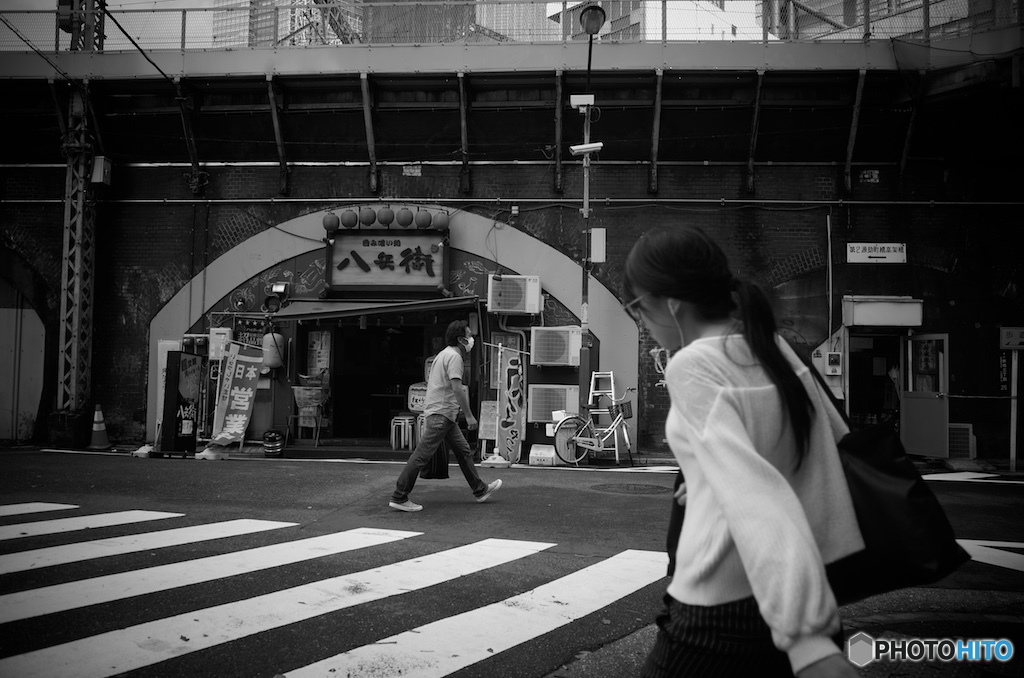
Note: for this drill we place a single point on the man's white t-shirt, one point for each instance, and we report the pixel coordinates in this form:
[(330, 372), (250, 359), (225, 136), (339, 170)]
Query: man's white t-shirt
[(440, 398)]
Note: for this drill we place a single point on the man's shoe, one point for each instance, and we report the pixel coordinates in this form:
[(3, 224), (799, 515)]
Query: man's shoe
[(491, 489), (405, 506), (210, 453)]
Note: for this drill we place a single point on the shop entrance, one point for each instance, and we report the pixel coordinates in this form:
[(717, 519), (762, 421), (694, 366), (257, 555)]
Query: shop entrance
[(873, 377), (374, 368)]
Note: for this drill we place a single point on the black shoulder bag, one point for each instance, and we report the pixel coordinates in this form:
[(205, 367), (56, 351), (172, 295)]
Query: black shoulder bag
[(908, 540)]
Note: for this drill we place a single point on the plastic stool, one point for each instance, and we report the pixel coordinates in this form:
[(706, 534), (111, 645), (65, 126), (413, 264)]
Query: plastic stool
[(402, 432)]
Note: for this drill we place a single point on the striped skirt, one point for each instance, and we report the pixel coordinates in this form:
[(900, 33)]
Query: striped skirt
[(719, 640)]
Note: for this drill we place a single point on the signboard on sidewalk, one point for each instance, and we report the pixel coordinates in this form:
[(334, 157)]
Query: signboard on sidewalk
[(511, 405), (237, 393)]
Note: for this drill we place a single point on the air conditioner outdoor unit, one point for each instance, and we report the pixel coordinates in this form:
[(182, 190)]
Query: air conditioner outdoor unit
[(962, 442), (543, 399), (555, 346), (514, 294)]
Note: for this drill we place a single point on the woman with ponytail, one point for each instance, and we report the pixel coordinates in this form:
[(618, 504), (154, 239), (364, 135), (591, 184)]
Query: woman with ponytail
[(766, 499)]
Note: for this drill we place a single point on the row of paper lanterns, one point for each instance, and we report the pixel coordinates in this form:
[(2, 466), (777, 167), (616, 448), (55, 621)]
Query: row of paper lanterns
[(385, 216)]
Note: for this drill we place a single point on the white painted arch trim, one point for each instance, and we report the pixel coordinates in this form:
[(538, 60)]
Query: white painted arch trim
[(560, 277)]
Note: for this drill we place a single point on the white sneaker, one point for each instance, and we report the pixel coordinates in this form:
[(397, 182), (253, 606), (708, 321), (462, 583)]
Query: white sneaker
[(405, 506), (491, 489), (210, 453)]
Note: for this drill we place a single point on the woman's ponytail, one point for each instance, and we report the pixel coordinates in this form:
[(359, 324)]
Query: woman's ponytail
[(755, 312)]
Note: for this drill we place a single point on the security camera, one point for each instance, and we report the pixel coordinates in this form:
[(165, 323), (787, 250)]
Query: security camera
[(583, 149)]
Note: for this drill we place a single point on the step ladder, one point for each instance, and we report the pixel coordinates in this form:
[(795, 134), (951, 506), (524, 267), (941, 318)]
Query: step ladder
[(602, 385)]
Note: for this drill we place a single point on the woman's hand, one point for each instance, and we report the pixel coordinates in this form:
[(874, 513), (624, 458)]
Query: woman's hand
[(832, 666), (680, 494)]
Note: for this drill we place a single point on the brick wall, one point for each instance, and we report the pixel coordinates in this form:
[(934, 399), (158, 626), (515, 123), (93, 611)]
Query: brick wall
[(147, 252)]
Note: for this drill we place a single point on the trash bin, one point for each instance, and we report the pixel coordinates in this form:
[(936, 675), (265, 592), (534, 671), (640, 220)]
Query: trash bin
[(273, 444)]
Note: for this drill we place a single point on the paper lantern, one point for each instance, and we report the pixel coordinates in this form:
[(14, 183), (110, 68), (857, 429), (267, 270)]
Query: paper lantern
[(441, 220), (273, 350), (386, 215), (404, 217), (367, 216), (423, 219), (349, 219), (331, 223)]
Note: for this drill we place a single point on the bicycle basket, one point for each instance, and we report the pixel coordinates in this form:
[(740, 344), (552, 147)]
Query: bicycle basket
[(625, 408)]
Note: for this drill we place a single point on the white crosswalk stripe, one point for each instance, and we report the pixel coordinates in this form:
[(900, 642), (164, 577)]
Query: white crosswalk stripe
[(115, 546), (464, 639), (33, 507), (82, 523), (76, 594), (446, 646)]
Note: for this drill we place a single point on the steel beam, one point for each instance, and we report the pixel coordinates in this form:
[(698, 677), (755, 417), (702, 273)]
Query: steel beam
[(852, 141), (753, 131), (371, 145), (652, 179), (908, 139), (465, 178), (197, 179), (278, 136)]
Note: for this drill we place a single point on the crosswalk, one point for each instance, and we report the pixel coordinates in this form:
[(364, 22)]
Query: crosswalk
[(437, 648)]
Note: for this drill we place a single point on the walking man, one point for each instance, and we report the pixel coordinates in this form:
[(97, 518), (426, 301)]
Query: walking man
[(446, 395)]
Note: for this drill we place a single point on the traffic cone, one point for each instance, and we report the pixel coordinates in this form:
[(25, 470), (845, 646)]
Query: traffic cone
[(99, 432)]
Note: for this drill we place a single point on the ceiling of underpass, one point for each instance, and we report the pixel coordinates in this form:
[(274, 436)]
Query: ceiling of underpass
[(704, 116)]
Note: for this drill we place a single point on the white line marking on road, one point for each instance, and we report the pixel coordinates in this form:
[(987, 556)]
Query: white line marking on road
[(61, 597), (445, 646), (969, 477), (33, 507), (982, 551), (109, 654), (81, 523), (115, 546)]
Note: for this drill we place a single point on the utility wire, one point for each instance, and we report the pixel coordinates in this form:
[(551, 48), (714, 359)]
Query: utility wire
[(137, 46), (34, 49)]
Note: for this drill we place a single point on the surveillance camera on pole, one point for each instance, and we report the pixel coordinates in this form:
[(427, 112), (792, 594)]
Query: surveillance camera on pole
[(584, 149)]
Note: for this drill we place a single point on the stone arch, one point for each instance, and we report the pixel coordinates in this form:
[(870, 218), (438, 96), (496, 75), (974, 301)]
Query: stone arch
[(477, 235)]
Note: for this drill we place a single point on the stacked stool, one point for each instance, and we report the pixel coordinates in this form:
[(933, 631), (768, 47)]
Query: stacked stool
[(403, 431)]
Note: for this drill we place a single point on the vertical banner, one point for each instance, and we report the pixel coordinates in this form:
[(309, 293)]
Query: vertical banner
[(237, 393), (511, 405)]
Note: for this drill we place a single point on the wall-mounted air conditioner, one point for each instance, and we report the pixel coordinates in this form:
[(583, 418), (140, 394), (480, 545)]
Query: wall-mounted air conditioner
[(543, 399), (514, 294), (555, 346)]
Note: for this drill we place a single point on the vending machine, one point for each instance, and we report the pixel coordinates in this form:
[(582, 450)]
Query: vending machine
[(180, 418)]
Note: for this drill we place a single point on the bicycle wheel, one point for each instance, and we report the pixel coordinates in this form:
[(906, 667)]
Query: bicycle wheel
[(566, 434)]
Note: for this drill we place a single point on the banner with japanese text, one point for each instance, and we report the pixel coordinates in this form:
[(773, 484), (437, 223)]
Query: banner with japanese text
[(511, 405), (237, 393)]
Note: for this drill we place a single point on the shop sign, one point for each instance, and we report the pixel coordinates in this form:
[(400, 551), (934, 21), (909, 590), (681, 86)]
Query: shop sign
[(1011, 338), (237, 393), (511, 406), (399, 260), (876, 253)]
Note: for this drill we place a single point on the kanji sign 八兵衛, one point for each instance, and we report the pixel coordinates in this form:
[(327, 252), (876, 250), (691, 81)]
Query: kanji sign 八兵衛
[(400, 260)]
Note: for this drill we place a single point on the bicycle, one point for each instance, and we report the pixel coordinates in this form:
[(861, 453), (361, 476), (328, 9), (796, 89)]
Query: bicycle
[(575, 436)]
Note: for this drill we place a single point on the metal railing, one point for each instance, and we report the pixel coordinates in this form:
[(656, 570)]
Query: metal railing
[(316, 23)]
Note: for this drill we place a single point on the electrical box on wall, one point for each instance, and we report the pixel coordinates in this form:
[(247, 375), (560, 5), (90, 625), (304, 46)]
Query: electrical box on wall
[(833, 363)]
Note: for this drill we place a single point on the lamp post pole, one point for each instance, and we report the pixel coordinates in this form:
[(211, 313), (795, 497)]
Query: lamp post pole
[(592, 18)]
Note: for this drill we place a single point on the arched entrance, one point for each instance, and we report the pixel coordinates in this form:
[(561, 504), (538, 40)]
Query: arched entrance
[(471, 233)]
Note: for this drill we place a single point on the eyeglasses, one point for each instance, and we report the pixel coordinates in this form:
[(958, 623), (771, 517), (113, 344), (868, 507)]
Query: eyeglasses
[(633, 307)]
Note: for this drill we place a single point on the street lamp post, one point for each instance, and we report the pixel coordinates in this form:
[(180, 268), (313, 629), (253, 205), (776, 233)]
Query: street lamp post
[(592, 18)]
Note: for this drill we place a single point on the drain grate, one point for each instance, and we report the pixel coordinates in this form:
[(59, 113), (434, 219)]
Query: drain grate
[(631, 488)]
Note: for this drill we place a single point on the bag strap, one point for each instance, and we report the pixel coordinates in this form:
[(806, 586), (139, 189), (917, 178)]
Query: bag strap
[(828, 391)]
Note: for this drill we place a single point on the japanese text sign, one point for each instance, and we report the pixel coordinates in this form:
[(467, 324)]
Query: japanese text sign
[(237, 393), (396, 259), (876, 253)]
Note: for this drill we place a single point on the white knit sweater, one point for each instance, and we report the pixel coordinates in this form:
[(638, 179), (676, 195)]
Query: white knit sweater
[(754, 524)]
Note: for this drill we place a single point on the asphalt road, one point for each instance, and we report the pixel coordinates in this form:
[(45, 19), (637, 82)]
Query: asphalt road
[(566, 520)]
